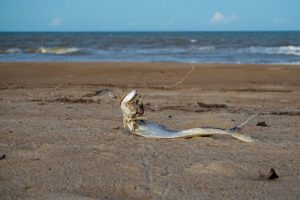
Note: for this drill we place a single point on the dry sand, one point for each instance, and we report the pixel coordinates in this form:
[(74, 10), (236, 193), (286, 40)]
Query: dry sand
[(62, 140)]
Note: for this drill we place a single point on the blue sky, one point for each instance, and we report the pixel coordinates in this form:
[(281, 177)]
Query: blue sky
[(149, 15)]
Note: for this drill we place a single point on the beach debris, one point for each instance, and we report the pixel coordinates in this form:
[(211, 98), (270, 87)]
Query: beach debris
[(254, 90), (270, 176), (147, 104), (205, 105), (181, 80), (2, 157), (170, 86), (74, 100), (288, 113), (194, 107), (103, 92), (66, 100), (262, 123), (133, 111)]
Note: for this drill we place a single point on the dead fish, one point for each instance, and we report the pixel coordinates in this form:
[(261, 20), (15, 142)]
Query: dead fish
[(133, 111)]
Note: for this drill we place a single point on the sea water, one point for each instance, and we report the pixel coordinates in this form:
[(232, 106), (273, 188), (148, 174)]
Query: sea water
[(189, 47)]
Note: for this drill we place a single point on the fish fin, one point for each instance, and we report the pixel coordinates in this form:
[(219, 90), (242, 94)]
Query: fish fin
[(239, 127), (235, 131)]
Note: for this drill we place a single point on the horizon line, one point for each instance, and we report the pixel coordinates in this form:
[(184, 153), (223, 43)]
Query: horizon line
[(143, 31)]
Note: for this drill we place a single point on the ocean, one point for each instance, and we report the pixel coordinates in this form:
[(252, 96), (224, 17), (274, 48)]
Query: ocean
[(187, 47)]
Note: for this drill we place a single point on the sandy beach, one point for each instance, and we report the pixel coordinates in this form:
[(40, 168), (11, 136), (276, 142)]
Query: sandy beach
[(62, 137)]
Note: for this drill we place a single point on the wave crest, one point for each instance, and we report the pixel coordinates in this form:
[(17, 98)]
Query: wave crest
[(11, 51), (285, 50), (206, 49), (57, 50)]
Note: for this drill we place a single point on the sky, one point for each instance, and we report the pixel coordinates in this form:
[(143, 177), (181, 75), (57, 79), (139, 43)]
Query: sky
[(149, 15)]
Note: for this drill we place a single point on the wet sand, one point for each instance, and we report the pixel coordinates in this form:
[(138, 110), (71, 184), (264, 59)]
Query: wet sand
[(62, 137)]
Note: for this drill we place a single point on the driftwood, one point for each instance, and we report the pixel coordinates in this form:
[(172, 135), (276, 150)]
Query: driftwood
[(133, 111)]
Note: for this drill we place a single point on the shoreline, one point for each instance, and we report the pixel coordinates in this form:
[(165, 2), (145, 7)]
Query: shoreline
[(154, 62)]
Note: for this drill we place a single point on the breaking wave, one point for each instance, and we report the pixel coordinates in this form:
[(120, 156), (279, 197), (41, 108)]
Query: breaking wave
[(57, 50), (206, 48), (11, 51), (43, 50), (285, 50)]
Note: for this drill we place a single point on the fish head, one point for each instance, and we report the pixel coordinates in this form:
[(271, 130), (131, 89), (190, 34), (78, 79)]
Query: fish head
[(132, 105)]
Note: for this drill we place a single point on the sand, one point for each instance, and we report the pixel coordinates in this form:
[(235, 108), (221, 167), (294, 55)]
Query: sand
[(62, 137)]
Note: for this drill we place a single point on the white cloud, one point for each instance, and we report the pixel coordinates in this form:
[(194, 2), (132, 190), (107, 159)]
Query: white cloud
[(219, 18), (56, 22)]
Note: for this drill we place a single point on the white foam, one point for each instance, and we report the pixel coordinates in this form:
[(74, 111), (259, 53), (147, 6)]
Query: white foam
[(57, 50), (12, 50), (285, 50), (206, 48)]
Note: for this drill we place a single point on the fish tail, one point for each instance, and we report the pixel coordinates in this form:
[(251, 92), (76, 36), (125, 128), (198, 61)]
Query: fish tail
[(239, 127), (235, 131)]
